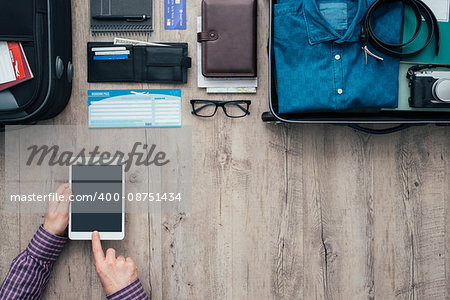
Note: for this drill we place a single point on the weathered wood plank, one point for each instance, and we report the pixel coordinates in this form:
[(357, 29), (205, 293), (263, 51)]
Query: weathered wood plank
[(337, 214), (446, 193), (410, 215), (9, 216), (387, 195), (217, 192), (287, 272)]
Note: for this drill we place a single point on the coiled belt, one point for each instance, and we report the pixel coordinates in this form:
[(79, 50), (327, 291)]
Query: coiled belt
[(421, 10)]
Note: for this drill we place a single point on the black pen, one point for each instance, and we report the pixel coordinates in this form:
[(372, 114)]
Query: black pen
[(125, 18)]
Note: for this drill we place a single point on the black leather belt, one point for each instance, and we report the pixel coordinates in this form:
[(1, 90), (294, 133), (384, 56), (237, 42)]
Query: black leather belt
[(421, 10)]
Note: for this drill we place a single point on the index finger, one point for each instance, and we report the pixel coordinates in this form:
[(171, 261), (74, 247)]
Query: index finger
[(97, 247), (61, 188), (65, 202)]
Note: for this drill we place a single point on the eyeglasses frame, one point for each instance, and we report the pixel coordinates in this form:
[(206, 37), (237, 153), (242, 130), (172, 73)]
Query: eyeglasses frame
[(222, 105)]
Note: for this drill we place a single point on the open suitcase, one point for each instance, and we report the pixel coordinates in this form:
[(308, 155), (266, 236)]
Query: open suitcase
[(44, 27), (401, 119)]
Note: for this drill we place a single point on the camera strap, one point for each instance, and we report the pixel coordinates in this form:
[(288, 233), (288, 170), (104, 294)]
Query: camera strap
[(420, 9)]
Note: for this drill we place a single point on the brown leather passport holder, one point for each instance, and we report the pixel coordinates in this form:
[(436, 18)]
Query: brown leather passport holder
[(228, 38)]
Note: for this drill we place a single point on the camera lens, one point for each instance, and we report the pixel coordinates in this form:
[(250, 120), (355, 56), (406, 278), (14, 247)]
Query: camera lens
[(441, 90)]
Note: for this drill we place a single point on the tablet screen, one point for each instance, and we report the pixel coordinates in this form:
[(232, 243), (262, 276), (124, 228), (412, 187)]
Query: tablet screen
[(97, 202)]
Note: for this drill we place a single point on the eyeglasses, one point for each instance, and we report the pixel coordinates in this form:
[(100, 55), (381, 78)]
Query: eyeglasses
[(232, 109)]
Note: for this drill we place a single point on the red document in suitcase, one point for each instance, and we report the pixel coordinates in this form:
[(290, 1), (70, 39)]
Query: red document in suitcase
[(15, 67)]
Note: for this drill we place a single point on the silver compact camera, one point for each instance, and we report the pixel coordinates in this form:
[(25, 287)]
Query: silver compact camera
[(429, 89)]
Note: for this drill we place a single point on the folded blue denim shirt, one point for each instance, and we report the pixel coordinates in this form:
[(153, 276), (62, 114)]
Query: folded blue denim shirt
[(320, 64)]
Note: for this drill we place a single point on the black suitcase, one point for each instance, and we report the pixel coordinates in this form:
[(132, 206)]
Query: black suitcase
[(402, 119), (44, 27)]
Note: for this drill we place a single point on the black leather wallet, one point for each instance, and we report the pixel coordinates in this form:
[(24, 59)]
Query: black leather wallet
[(150, 64)]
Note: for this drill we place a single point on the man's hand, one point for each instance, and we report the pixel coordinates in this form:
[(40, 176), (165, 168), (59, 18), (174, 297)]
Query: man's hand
[(57, 215), (115, 273)]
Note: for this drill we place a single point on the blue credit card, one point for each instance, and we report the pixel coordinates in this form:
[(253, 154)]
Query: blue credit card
[(175, 14), (111, 57)]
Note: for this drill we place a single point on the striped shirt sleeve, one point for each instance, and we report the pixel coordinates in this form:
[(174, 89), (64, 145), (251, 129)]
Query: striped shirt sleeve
[(30, 270), (134, 291)]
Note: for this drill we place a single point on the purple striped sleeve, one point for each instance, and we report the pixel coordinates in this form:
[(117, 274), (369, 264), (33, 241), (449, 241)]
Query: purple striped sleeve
[(134, 291), (30, 270)]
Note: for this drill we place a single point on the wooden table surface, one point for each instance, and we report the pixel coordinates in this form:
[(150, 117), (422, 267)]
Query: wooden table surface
[(279, 212)]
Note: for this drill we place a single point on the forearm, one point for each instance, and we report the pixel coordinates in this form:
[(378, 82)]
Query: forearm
[(30, 270), (133, 291)]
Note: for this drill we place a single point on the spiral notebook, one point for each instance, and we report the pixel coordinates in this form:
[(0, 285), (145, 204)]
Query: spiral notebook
[(121, 8)]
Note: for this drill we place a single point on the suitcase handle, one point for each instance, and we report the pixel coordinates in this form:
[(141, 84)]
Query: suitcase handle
[(383, 131)]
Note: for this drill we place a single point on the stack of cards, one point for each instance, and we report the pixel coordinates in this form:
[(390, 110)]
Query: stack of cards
[(110, 53)]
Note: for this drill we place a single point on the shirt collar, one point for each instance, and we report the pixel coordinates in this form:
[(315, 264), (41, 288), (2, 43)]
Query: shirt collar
[(319, 30)]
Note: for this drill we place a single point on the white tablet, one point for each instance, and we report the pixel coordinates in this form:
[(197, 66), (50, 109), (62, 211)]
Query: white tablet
[(98, 199)]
